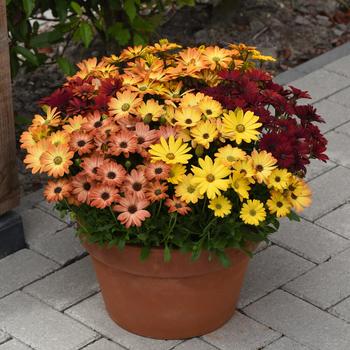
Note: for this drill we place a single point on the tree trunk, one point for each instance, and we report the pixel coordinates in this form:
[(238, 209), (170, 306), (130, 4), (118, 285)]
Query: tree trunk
[(9, 185)]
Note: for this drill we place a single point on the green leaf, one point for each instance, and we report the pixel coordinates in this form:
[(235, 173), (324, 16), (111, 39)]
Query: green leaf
[(225, 261), (28, 55), (66, 66), (167, 254), (61, 7), (138, 39), (76, 8), (46, 39), (85, 33), (145, 252), (292, 216), (130, 9), (119, 33), (22, 120), (28, 6)]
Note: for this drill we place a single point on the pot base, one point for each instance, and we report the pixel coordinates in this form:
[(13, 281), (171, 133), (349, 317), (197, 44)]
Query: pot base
[(176, 300)]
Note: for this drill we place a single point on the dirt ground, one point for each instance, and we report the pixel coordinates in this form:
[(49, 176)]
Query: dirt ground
[(293, 31)]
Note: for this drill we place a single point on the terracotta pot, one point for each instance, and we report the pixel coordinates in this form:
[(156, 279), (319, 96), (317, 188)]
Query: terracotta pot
[(175, 300)]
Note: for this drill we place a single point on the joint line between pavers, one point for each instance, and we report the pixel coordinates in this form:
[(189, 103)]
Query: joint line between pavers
[(328, 212), (337, 132), (209, 343), (333, 93), (92, 342), (80, 301)]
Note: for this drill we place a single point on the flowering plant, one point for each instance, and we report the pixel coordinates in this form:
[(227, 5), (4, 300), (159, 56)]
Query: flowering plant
[(187, 149)]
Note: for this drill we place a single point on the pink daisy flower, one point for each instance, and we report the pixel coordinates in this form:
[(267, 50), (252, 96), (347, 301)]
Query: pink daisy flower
[(123, 143), (156, 191), (157, 170), (81, 187), (176, 205), (135, 183), (132, 211), (144, 136), (102, 196), (111, 173), (91, 164)]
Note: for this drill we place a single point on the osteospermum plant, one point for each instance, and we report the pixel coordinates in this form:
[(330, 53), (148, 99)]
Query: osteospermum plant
[(181, 148)]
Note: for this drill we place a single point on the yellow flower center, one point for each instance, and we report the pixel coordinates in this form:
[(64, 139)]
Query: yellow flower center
[(252, 212), (170, 156), (190, 189), (158, 192), (240, 128), (218, 206), (210, 177), (58, 160), (230, 158), (216, 59), (125, 107)]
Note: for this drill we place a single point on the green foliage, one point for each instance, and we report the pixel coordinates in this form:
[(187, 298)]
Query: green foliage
[(116, 22), (193, 233)]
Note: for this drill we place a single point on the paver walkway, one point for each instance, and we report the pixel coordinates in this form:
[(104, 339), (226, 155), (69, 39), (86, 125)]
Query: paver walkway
[(296, 295)]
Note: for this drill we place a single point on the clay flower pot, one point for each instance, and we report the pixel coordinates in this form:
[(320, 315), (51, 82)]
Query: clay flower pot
[(174, 300)]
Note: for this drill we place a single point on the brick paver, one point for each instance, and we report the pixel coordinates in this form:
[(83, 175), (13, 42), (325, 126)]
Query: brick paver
[(243, 332), (22, 268), (39, 326), (308, 240), (67, 286), (296, 294), (326, 284), (301, 321)]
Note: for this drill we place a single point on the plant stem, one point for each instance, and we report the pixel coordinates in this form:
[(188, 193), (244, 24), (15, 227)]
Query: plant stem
[(115, 219)]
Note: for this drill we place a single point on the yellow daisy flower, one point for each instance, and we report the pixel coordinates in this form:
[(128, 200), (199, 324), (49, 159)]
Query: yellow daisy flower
[(264, 164), (176, 174), (215, 56), (221, 206), (204, 133), (299, 194), (150, 110), (210, 177), (56, 160), (278, 204), (240, 184), (187, 191), (74, 124), (124, 104), (239, 126), (229, 155), (187, 117), (253, 212), (246, 168), (192, 100), (52, 118), (279, 179), (210, 108), (171, 151)]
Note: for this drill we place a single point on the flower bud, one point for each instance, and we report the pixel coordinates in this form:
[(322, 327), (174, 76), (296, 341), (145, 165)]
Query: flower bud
[(127, 164), (199, 150)]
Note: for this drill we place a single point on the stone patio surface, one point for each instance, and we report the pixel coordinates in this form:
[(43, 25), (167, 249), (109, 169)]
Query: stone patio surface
[(297, 291)]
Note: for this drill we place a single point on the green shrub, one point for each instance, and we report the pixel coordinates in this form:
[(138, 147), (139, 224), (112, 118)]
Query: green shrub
[(117, 22)]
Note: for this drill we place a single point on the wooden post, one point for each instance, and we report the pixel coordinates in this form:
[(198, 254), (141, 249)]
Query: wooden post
[(9, 184)]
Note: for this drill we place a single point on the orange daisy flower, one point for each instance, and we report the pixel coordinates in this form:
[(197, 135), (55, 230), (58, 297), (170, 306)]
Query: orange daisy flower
[(33, 158), (156, 191), (81, 187), (52, 118), (81, 142), (56, 191), (74, 123), (144, 136), (57, 160), (102, 196), (111, 173), (135, 183), (59, 138), (176, 205), (215, 56), (158, 171), (125, 103), (132, 211), (93, 121), (123, 143)]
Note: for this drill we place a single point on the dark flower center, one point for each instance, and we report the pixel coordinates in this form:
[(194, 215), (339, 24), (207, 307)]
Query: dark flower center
[(178, 205), (132, 209), (97, 124), (158, 192), (81, 143), (259, 168), (158, 171), (58, 190), (94, 170), (125, 107), (279, 204), (58, 160), (277, 179), (210, 177), (86, 186), (188, 121), (123, 144), (105, 196), (209, 112), (205, 136), (137, 186), (140, 140), (111, 175)]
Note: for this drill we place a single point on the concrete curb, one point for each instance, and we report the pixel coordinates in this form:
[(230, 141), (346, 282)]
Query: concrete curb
[(313, 64)]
